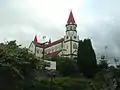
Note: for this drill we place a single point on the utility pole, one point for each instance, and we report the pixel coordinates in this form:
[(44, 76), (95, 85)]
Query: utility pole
[(106, 52), (43, 44), (51, 80), (115, 60)]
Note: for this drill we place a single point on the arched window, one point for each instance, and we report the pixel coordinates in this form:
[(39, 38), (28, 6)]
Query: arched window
[(74, 46), (70, 27), (67, 37), (74, 28), (37, 51), (67, 28), (74, 37), (67, 47)]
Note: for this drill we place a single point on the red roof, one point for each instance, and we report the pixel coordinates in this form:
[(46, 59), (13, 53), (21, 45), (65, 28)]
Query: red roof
[(38, 44), (71, 19), (53, 53), (35, 39), (54, 43), (49, 44)]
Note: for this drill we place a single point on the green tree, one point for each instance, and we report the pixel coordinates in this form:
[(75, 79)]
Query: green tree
[(86, 58), (16, 65), (102, 63), (65, 66)]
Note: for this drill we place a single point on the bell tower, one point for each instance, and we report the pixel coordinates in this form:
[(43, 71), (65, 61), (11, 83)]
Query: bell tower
[(71, 38)]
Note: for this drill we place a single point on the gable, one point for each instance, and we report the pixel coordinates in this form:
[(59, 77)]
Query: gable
[(53, 54), (32, 48)]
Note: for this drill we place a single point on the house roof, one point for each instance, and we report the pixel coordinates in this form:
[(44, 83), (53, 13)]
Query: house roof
[(49, 44), (54, 43), (38, 44), (71, 19), (53, 53)]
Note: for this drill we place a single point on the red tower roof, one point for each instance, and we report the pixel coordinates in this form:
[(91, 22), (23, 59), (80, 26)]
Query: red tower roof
[(71, 19), (35, 39)]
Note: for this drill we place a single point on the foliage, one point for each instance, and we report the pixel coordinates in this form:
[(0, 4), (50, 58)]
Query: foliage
[(86, 60), (18, 69), (102, 65), (16, 65), (65, 66), (64, 84)]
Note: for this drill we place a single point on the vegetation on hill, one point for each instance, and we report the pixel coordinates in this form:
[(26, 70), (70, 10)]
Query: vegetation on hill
[(16, 65), (18, 70), (86, 58), (65, 83), (65, 66)]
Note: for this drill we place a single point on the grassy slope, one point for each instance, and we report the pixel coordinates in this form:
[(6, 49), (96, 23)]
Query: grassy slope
[(67, 83)]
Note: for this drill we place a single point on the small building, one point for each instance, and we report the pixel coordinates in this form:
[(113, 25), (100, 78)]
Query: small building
[(52, 65)]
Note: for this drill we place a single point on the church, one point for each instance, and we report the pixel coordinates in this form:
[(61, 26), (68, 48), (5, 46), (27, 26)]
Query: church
[(64, 47)]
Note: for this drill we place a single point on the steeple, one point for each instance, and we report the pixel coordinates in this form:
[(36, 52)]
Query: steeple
[(71, 38), (71, 19), (35, 39)]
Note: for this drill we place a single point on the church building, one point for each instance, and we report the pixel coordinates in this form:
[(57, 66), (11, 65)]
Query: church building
[(64, 47)]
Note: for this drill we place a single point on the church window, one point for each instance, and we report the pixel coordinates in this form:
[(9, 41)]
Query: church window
[(55, 47), (45, 52), (74, 37), (59, 46), (67, 28), (67, 37), (74, 28), (67, 47), (70, 27), (48, 50), (74, 46), (37, 51), (52, 49)]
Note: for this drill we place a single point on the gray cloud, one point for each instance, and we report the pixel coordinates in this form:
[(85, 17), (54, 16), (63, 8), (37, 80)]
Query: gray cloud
[(96, 19)]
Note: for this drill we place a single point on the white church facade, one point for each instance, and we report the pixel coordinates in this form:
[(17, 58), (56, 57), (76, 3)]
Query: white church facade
[(64, 47)]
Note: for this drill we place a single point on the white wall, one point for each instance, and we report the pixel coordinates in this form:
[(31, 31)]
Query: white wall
[(32, 48), (53, 48), (52, 65), (39, 52), (67, 48)]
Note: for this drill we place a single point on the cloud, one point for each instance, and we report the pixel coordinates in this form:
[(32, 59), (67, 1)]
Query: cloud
[(29, 17), (96, 19)]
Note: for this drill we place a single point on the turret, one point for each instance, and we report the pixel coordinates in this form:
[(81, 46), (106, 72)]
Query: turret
[(71, 24), (71, 38)]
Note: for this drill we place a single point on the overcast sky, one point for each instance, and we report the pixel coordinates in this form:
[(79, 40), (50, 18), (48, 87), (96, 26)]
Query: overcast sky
[(96, 19)]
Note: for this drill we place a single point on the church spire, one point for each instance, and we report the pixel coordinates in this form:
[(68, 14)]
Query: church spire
[(71, 19), (35, 39)]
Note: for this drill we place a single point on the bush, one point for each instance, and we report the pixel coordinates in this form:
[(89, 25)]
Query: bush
[(62, 84)]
